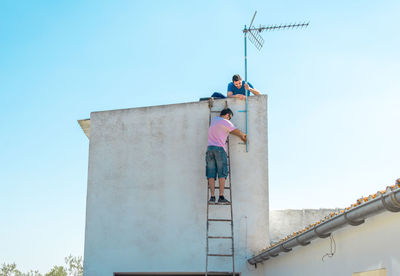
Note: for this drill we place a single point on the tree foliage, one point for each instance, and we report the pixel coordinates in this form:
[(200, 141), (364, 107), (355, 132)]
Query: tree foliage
[(57, 271), (73, 267)]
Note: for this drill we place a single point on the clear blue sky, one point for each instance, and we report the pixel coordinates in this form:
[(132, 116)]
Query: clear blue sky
[(333, 98)]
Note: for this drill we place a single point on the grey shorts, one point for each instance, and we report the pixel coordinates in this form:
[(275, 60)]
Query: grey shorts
[(216, 162)]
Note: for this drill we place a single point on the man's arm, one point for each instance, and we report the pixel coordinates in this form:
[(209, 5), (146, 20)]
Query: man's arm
[(239, 134), (252, 90), (240, 96)]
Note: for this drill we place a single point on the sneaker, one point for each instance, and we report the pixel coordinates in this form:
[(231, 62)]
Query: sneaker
[(212, 199), (222, 199)]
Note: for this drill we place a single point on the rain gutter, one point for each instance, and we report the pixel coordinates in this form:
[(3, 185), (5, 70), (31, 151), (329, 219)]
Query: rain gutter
[(388, 200)]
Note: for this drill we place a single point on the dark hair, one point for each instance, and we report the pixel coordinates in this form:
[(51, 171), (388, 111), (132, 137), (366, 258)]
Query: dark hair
[(226, 111), (236, 77)]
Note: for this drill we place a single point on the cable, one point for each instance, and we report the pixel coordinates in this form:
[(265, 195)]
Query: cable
[(333, 248)]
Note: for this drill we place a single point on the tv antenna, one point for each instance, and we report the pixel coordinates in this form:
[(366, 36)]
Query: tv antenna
[(257, 40)]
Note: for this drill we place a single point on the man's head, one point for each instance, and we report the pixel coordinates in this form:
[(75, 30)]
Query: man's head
[(226, 113), (237, 81)]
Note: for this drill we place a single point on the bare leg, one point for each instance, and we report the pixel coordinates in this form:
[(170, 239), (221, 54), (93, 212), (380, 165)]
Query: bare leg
[(221, 186), (211, 184)]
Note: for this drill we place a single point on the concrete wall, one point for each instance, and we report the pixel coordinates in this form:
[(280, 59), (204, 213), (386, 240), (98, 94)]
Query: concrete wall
[(369, 246), (285, 222), (146, 202)]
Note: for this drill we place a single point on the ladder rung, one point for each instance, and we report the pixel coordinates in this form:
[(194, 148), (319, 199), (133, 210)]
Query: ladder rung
[(220, 255), (220, 272), (215, 111), (219, 203), (219, 237), (226, 188), (219, 220)]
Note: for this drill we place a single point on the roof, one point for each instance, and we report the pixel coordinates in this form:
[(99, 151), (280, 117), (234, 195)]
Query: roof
[(85, 125), (355, 214)]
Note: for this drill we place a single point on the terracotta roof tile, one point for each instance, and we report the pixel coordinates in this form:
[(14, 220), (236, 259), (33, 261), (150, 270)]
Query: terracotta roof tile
[(359, 202)]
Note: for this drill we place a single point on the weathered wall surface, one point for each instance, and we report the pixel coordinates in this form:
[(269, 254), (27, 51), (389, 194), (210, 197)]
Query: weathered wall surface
[(284, 222), (146, 203), (369, 246)]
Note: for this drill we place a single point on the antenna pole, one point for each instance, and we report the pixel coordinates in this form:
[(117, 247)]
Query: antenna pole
[(245, 75), (258, 41)]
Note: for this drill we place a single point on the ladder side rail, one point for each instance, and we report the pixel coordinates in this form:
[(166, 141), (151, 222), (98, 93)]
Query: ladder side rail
[(208, 206), (231, 206)]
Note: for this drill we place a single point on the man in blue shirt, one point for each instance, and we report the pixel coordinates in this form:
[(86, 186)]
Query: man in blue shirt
[(236, 88)]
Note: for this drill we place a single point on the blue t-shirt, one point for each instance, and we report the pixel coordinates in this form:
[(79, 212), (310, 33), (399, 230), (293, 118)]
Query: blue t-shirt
[(232, 88)]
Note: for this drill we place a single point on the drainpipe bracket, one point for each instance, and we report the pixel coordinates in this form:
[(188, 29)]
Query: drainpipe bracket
[(264, 258), (252, 262), (353, 222), (302, 243), (258, 260), (284, 249), (394, 200), (322, 236), (390, 207)]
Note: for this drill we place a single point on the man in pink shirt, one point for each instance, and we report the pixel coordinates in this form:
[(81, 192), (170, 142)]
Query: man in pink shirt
[(216, 159)]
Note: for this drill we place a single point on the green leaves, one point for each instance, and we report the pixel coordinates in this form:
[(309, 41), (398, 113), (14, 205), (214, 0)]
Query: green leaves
[(57, 271), (73, 267), (9, 270)]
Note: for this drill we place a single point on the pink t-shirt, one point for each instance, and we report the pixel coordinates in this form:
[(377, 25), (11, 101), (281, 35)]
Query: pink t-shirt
[(219, 131)]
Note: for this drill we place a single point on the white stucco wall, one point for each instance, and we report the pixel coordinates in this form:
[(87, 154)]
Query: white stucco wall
[(284, 222), (369, 246), (146, 202)]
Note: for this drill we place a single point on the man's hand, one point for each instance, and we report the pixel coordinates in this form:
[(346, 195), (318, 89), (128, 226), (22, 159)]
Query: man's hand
[(252, 90), (230, 95), (239, 134)]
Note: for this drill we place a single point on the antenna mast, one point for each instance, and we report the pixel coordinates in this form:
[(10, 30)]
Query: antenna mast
[(257, 40)]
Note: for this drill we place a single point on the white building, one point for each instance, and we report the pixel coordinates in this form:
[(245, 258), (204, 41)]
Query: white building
[(360, 240), (147, 190), (147, 200)]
